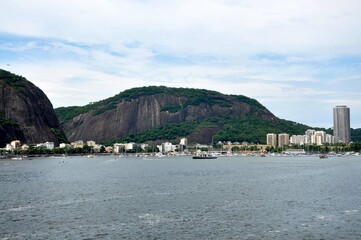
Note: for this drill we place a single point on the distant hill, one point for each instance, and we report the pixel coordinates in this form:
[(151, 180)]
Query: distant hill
[(26, 113), (161, 113)]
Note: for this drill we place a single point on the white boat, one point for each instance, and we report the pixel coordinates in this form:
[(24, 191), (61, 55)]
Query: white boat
[(204, 156)]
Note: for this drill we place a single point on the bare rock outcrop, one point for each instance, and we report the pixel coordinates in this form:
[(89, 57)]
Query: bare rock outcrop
[(26, 114), (150, 107)]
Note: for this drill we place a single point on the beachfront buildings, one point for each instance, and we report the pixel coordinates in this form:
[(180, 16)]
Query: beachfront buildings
[(47, 145), (167, 147), (341, 124), (272, 139), (77, 144), (283, 139), (122, 147), (183, 141), (298, 139), (311, 137)]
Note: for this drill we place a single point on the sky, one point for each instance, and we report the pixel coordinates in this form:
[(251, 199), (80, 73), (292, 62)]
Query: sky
[(299, 58)]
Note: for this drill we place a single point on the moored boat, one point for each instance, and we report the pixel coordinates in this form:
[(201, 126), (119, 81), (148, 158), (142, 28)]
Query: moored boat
[(204, 156)]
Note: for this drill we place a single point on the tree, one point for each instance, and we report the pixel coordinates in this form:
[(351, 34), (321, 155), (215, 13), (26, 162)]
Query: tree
[(235, 149), (102, 149)]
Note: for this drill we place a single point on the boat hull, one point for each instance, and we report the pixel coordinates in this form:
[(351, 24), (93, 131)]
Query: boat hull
[(204, 157)]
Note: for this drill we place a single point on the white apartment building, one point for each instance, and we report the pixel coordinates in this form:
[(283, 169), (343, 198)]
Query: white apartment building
[(183, 141), (320, 138), (310, 136), (15, 144), (24, 147), (47, 145), (120, 147), (330, 139), (9, 147), (78, 144), (130, 146), (167, 147), (298, 139), (64, 145), (91, 143)]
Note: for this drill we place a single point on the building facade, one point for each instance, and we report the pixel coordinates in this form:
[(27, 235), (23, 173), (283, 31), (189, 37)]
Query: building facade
[(320, 138), (167, 147), (283, 139), (341, 124), (310, 139), (272, 139), (298, 139), (183, 141)]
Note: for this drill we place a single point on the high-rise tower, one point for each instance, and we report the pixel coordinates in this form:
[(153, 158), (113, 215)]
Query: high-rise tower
[(283, 139), (272, 139), (341, 124)]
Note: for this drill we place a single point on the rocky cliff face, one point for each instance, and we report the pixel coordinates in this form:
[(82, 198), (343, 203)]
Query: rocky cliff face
[(26, 113), (115, 119)]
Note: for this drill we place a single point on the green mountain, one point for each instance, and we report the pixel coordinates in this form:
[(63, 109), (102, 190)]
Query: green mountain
[(161, 113)]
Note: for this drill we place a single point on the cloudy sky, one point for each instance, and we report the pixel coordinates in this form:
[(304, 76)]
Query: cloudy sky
[(299, 58)]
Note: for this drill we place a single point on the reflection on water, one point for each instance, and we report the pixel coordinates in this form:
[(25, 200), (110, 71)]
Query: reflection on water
[(181, 198)]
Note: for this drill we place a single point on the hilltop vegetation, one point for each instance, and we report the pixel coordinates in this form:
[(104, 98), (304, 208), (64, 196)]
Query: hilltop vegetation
[(233, 118), (193, 97), (13, 80)]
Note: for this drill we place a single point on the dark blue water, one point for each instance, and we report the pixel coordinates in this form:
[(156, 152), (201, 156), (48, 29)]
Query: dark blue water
[(181, 198)]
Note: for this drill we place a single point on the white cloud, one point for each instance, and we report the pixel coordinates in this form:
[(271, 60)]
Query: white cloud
[(280, 52), (220, 27)]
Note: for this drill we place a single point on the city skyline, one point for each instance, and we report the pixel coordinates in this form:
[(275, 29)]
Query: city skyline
[(297, 58)]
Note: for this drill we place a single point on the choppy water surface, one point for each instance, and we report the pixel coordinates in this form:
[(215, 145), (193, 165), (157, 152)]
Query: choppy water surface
[(181, 198)]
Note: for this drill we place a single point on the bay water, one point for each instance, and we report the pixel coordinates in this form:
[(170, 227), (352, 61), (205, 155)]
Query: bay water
[(109, 197)]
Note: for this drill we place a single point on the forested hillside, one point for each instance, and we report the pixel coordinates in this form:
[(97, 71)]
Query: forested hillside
[(162, 113)]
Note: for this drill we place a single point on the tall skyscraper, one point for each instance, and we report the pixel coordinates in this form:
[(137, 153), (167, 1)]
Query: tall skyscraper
[(341, 124)]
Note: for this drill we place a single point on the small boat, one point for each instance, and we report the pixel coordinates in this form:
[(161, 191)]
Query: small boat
[(204, 156), (323, 156)]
